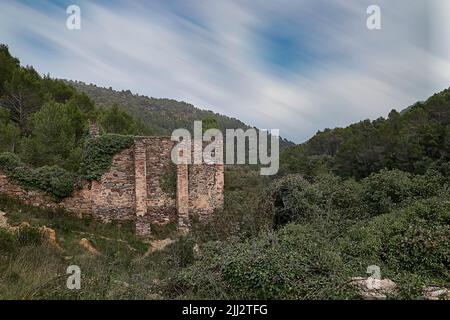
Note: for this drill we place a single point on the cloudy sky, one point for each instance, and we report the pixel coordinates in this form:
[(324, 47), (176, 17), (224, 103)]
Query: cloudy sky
[(298, 65)]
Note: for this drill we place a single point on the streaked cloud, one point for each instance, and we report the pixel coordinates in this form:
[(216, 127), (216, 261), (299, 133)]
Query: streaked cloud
[(299, 66)]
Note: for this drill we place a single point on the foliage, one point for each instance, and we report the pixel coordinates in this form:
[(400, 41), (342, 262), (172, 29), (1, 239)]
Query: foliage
[(409, 241), (55, 134), (9, 132), (322, 246), (210, 122), (99, 152), (411, 141), (116, 120), (50, 179), (45, 120)]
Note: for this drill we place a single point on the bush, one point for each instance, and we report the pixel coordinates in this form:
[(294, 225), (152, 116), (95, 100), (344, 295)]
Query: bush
[(295, 262), (9, 161), (52, 180), (294, 199), (289, 199), (386, 189), (99, 152), (411, 240)]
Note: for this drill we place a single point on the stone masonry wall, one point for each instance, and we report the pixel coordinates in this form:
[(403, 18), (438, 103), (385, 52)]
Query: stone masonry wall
[(133, 189), (204, 180), (161, 204)]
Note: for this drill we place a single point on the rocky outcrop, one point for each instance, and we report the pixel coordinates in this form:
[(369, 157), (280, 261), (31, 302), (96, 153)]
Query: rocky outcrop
[(374, 289), (436, 293)]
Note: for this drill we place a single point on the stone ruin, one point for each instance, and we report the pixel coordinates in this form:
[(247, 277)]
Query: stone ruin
[(133, 189)]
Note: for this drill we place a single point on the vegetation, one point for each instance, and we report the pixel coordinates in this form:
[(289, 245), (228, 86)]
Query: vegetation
[(44, 130), (413, 140), (320, 242), (51, 179), (374, 193), (98, 154)]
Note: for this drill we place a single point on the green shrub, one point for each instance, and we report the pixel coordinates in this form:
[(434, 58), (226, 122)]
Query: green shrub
[(9, 161), (386, 189), (289, 199), (295, 262), (410, 240), (52, 180), (294, 199), (99, 152), (392, 189)]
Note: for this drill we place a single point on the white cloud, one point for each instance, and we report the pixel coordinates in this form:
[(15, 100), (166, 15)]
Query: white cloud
[(211, 60)]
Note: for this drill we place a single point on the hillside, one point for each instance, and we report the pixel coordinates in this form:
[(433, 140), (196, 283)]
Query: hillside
[(162, 115), (413, 140)]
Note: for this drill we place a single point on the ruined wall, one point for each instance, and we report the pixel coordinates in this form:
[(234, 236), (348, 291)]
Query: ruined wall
[(111, 198), (135, 189), (161, 205), (205, 180), (31, 197)]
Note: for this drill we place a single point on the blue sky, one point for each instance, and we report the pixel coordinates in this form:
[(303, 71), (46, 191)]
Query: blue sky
[(298, 66)]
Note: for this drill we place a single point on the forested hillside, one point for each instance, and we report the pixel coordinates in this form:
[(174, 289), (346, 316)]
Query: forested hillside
[(413, 140), (162, 115)]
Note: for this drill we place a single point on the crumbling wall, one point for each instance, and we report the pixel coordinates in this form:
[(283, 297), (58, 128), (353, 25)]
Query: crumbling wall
[(205, 180), (133, 189), (31, 197), (111, 198), (161, 205)]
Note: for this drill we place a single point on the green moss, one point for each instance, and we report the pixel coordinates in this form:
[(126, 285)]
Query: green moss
[(99, 152)]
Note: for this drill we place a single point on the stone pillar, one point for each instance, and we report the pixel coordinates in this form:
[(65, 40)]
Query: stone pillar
[(140, 176), (219, 178), (219, 185), (183, 198)]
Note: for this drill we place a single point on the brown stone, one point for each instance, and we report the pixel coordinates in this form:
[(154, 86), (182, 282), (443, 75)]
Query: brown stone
[(86, 244), (436, 293), (374, 289), (158, 245)]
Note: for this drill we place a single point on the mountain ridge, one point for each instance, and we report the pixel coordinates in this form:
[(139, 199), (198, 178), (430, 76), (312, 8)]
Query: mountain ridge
[(163, 115)]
